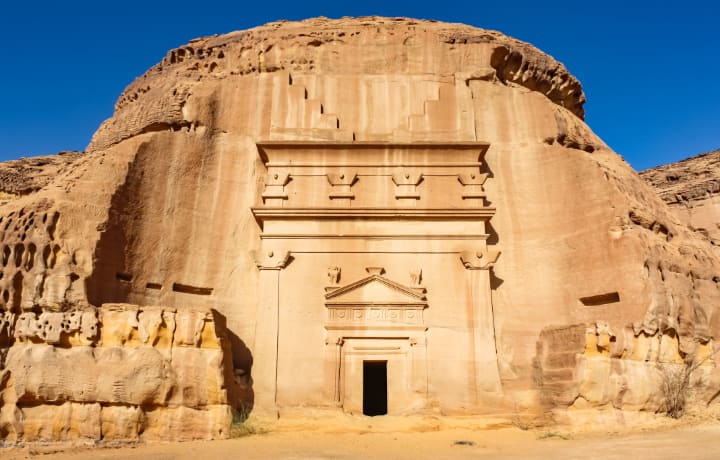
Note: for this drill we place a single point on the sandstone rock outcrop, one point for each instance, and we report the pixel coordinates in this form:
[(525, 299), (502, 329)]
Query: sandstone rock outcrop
[(347, 193), (118, 372), (691, 187), (28, 175)]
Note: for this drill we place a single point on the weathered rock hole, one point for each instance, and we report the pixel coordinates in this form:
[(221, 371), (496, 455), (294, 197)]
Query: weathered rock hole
[(19, 250), (17, 289), (53, 224), (52, 256), (6, 255), (30, 258), (46, 252), (188, 289), (125, 277), (600, 299)]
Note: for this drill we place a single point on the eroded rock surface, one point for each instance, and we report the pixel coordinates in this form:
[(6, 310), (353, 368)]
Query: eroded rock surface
[(119, 372), (28, 175), (691, 188), (421, 194)]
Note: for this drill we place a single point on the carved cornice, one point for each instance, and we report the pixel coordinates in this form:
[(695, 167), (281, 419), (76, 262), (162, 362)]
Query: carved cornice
[(292, 153), (374, 213), (473, 260), (384, 236)]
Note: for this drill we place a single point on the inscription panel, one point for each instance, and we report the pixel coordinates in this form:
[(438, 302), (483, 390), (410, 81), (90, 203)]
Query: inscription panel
[(407, 314)]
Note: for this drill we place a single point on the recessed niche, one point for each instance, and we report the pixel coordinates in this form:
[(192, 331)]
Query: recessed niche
[(600, 299)]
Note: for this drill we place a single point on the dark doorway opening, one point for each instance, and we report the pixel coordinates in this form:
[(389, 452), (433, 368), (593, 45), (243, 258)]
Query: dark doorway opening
[(375, 388)]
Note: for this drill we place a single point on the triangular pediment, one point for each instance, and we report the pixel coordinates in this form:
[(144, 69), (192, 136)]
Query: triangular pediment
[(376, 289)]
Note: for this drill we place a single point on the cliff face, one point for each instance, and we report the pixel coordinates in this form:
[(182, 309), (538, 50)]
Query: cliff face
[(597, 281), (690, 188)]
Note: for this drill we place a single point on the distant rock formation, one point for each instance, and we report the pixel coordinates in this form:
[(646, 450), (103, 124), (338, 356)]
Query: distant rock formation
[(28, 175), (691, 188), (320, 213)]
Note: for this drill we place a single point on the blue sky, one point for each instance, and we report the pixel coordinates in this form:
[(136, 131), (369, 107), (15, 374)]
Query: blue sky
[(651, 72)]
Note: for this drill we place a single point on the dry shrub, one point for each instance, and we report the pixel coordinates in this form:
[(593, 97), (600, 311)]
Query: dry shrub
[(675, 389)]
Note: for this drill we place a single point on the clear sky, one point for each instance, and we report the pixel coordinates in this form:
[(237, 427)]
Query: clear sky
[(650, 70)]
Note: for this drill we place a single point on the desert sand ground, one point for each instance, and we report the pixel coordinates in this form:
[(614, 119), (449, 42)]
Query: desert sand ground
[(428, 437)]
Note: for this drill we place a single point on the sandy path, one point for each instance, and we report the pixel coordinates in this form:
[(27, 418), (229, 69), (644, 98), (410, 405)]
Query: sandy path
[(697, 442)]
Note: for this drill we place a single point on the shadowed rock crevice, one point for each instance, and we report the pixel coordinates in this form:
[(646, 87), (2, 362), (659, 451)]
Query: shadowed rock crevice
[(110, 279)]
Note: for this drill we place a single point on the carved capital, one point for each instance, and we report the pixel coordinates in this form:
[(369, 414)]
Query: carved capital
[(406, 185), (472, 186), (473, 260), (472, 178), (278, 178), (407, 178), (342, 183), (275, 191), (271, 260), (341, 178)]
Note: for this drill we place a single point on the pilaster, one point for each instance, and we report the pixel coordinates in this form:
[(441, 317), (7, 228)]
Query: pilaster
[(478, 265), (265, 351)]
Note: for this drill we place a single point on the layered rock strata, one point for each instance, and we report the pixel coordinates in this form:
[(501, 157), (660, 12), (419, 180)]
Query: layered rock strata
[(690, 188), (114, 373), (413, 193), (28, 175)]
